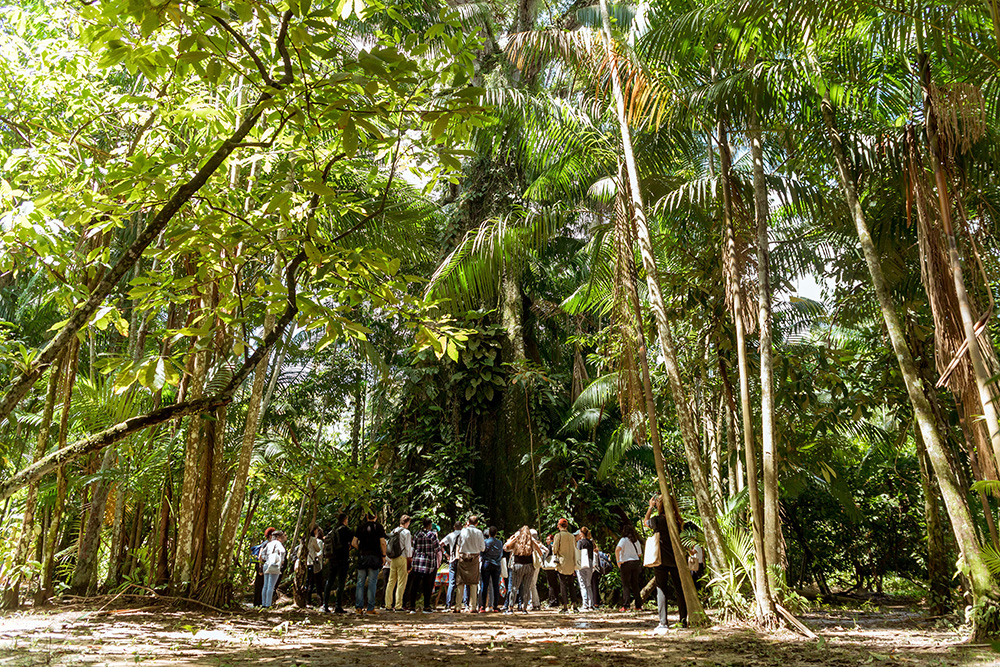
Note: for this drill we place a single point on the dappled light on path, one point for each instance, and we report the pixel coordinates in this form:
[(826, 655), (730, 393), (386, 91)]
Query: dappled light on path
[(155, 636)]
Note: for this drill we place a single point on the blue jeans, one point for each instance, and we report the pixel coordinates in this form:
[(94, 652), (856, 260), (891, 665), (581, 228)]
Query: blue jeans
[(452, 576), (267, 594), (371, 575), (489, 576)]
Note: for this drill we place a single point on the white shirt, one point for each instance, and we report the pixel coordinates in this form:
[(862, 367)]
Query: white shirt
[(449, 542), (315, 552), (274, 546), (630, 550), (471, 541)]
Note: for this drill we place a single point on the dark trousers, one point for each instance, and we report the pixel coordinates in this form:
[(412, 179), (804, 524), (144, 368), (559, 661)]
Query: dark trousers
[(336, 578), (258, 587), (631, 571), (596, 588), (489, 580), (314, 584), (667, 578), (417, 584), (552, 579), (566, 588)]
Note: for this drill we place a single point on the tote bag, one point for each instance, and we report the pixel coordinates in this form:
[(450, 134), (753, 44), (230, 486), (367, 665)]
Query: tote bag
[(651, 555)]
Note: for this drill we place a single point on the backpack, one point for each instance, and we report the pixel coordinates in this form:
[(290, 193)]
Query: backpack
[(493, 551), (255, 550), (394, 545), (604, 564)]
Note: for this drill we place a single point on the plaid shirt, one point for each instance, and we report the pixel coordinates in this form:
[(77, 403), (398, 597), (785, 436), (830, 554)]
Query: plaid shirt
[(425, 550)]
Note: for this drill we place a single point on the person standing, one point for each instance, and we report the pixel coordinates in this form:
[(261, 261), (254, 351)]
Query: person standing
[(258, 579), (426, 551), (336, 548), (551, 573), (314, 564), (539, 556), (490, 571), (369, 540), (272, 557), (470, 546), (523, 549), (665, 574), (399, 549), (448, 545), (628, 553), (585, 575), (564, 549)]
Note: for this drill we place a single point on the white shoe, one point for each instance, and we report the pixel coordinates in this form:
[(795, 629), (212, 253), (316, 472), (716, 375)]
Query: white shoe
[(661, 630)]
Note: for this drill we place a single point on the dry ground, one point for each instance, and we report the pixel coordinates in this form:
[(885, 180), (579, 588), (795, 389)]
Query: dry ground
[(109, 632)]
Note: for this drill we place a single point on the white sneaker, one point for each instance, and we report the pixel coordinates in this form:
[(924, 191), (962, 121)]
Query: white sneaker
[(661, 630)]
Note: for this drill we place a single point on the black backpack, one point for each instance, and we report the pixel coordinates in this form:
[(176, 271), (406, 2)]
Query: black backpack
[(394, 545)]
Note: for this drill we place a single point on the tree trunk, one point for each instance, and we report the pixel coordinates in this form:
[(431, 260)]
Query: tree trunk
[(214, 592), (769, 461), (117, 540), (359, 407), (696, 615), (85, 576), (188, 512), (62, 483), (982, 375), (983, 588), (12, 593), (937, 557), (766, 613)]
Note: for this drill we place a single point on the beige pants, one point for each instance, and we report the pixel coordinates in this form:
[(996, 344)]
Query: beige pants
[(396, 583)]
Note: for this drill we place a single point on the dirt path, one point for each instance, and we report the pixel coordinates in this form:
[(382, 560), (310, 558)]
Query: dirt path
[(153, 636)]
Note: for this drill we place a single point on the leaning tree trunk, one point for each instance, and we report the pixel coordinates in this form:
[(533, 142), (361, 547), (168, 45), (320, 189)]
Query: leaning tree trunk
[(766, 612), (984, 590), (12, 594), (696, 614), (769, 461)]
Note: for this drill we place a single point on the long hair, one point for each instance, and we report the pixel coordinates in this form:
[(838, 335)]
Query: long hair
[(522, 542), (628, 531)]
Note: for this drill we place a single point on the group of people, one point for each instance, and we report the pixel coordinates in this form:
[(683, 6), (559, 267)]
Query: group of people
[(482, 572)]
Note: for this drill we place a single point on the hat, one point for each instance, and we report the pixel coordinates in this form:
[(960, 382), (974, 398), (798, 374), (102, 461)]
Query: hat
[(268, 531)]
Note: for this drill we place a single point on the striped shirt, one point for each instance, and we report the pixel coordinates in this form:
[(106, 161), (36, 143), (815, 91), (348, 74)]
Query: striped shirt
[(425, 549)]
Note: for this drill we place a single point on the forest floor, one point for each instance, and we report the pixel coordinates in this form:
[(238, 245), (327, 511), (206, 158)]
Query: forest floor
[(119, 632)]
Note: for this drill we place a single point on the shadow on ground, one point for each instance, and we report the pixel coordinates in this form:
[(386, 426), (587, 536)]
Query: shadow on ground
[(156, 636)]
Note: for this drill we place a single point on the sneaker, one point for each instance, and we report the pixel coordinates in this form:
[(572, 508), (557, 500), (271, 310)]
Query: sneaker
[(429, 611), (339, 610), (564, 610), (507, 612), (372, 612), (623, 610), (326, 610), (412, 611), (661, 630), (359, 611)]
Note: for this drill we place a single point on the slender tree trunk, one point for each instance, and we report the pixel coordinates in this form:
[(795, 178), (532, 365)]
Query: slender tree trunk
[(769, 461), (766, 612), (983, 587), (692, 448), (12, 594), (696, 614), (359, 407)]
